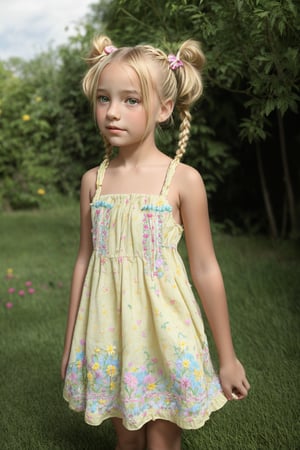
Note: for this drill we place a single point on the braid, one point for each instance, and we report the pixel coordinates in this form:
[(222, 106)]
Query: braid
[(108, 148), (184, 133), (178, 80), (189, 87)]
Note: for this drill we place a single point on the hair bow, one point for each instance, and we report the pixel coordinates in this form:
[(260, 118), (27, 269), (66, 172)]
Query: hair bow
[(110, 49), (174, 61)]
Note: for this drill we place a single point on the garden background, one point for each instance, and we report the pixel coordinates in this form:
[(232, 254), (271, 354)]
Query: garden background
[(245, 142)]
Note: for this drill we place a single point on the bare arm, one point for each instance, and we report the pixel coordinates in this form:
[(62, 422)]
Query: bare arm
[(81, 264), (207, 278)]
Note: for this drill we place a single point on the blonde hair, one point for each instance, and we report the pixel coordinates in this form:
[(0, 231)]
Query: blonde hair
[(182, 85)]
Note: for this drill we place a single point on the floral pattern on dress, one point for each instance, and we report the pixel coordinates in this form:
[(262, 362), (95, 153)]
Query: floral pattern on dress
[(153, 237), (139, 349), (178, 388), (100, 230)]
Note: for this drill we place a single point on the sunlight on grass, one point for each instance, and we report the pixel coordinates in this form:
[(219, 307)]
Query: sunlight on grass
[(38, 250)]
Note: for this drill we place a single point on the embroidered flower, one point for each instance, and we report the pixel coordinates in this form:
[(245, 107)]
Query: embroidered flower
[(111, 370), (101, 225), (130, 380), (89, 376), (186, 363), (95, 366), (149, 386), (111, 349)]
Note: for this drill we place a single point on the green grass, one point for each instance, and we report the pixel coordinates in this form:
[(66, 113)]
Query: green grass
[(262, 282)]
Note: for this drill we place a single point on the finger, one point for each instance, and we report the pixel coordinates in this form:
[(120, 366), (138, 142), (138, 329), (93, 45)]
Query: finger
[(241, 391), (227, 390), (247, 384)]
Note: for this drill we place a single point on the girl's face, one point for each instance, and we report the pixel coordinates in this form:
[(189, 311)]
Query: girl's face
[(120, 113)]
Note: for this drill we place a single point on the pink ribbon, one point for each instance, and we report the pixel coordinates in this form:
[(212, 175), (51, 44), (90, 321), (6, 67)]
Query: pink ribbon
[(174, 61), (109, 49)]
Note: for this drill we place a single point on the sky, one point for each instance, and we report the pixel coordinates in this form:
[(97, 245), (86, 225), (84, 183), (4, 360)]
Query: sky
[(27, 27)]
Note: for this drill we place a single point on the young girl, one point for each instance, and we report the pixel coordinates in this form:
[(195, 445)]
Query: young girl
[(135, 348)]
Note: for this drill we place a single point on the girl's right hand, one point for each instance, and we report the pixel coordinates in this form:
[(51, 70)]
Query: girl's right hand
[(234, 381)]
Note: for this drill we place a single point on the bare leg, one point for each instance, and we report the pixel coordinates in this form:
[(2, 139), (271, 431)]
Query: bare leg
[(129, 440), (163, 435)]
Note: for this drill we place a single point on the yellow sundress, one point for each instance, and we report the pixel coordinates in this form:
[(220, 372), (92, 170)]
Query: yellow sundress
[(139, 350)]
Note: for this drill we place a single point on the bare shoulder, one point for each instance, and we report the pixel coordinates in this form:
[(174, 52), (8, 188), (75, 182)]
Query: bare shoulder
[(189, 181), (88, 181), (188, 173), (90, 175)]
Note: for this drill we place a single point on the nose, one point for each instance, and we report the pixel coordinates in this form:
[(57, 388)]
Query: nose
[(113, 112)]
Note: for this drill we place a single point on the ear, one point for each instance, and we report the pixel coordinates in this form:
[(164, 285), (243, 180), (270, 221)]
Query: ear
[(166, 110)]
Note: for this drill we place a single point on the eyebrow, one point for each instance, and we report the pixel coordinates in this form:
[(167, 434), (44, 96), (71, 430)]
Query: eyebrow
[(125, 91)]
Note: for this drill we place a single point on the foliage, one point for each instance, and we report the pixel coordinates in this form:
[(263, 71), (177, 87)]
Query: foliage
[(27, 147), (252, 73), (252, 49), (168, 24)]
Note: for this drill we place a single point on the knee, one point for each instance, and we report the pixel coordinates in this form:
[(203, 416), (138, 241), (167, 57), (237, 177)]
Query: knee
[(163, 435), (129, 440), (131, 444)]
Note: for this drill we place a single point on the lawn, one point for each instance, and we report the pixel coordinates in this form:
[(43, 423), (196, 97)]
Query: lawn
[(262, 282)]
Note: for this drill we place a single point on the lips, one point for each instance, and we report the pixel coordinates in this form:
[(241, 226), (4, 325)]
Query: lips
[(113, 128)]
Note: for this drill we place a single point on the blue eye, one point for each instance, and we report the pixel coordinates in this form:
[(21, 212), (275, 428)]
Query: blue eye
[(103, 99), (132, 101)]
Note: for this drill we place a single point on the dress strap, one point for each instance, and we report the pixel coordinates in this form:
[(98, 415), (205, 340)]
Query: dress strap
[(169, 176), (100, 175)]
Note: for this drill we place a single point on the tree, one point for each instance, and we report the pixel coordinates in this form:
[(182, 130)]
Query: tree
[(252, 48), (259, 60)]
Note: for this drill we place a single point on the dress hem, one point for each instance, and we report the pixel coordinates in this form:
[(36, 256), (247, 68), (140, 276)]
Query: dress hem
[(194, 424)]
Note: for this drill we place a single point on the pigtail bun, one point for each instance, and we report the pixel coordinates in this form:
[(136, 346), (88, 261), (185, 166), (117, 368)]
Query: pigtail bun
[(95, 60), (189, 80), (95, 57), (176, 77), (97, 50), (190, 88)]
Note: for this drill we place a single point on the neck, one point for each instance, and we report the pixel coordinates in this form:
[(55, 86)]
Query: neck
[(136, 156)]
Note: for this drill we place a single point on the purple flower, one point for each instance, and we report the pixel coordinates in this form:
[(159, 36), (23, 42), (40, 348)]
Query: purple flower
[(185, 382), (130, 380)]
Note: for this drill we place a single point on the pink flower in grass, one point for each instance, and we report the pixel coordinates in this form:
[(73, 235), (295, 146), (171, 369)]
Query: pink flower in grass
[(28, 283), (9, 305), (21, 293), (31, 290), (11, 290)]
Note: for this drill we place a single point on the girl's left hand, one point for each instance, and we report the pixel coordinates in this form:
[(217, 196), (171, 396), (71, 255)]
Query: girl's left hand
[(233, 380)]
